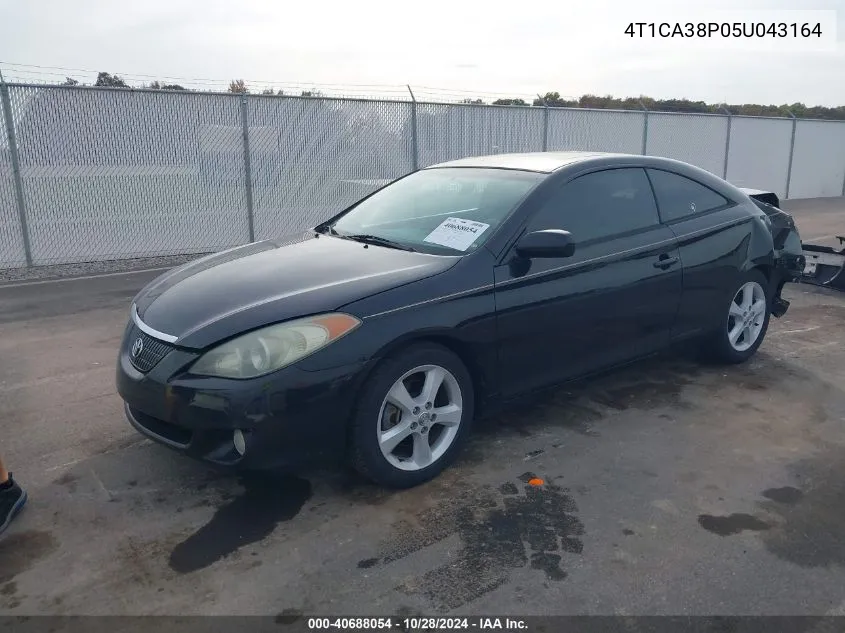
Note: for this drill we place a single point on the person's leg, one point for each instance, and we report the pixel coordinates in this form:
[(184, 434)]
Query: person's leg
[(12, 497)]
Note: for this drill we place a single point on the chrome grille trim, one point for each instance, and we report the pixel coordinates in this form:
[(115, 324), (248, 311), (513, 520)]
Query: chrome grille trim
[(146, 329)]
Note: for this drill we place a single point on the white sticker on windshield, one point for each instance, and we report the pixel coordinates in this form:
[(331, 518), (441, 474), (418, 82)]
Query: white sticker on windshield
[(457, 233)]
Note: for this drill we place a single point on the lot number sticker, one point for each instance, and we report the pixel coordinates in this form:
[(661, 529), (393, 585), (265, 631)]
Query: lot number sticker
[(457, 233)]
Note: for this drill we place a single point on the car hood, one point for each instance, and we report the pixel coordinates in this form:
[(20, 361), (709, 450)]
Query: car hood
[(219, 296)]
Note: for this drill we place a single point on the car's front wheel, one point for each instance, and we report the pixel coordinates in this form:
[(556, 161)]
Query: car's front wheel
[(745, 321), (413, 416)]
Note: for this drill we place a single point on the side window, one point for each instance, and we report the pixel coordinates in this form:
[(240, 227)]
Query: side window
[(678, 196), (600, 204)]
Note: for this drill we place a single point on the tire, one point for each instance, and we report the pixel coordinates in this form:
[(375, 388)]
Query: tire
[(384, 407), (719, 346)]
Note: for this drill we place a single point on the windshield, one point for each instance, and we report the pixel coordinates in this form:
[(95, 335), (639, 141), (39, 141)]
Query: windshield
[(449, 210)]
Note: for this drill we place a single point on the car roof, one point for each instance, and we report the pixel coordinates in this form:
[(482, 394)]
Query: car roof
[(543, 162)]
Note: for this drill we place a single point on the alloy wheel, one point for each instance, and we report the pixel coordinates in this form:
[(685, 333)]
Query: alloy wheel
[(746, 316), (420, 417)]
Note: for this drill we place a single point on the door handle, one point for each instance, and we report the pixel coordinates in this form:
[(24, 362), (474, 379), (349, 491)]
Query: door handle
[(664, 262)]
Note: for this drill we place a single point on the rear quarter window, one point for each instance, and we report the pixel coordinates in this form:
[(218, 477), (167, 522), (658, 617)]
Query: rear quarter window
[(679, 196)]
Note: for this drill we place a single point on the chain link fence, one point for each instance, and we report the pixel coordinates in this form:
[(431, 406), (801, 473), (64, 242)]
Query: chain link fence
[(447, 131), (92, 174), (12, 251), (596, 130), (759, 153), (819, 154), (309, 158)]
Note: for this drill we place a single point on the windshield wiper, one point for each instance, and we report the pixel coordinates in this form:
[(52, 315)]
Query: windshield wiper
[(380, 241)]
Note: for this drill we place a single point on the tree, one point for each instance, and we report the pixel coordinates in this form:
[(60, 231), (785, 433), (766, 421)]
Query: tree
[(554, 100), (110, 81), (682, 105), (510, 102), (157, 85), (238, 86), (632, 103), (591, 101)]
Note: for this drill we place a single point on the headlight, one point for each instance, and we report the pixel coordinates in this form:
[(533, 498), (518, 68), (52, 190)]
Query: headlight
[(271, 348)]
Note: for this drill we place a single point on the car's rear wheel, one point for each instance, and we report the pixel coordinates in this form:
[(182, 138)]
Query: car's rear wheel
[(413, 416), (745, 321)]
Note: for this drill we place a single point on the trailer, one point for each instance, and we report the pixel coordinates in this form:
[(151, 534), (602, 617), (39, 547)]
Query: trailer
[(825, 265), (820, 265)]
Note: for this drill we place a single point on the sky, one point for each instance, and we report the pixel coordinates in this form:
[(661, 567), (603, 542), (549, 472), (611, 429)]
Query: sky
[(375, 47)]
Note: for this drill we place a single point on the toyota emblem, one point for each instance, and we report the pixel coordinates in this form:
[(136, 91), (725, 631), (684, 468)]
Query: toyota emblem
[(137, 347)]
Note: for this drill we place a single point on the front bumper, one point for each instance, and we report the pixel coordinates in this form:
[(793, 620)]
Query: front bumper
[(286, 419)]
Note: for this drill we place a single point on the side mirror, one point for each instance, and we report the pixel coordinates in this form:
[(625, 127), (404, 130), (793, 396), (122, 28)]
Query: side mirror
[(546, 243)]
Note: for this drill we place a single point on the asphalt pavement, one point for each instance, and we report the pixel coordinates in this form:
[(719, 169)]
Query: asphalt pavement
[(669, 487)]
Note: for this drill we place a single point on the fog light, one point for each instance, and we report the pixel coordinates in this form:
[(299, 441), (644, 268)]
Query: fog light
[(240, 442)]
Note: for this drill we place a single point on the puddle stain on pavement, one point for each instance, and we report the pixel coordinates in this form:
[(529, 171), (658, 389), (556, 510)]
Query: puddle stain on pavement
[(732, 523), (801, 525), (786, 494), (499, 532), (367, 563), (811, 519), (20, 551), (644, 394), (267, 500)]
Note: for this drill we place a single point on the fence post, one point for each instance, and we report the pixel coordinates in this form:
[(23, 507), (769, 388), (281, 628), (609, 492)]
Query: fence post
[(247, 168), (791, 153), (415, 150), (843, 185), (16, 168), (545, 123), (727, 141), (645, 128)]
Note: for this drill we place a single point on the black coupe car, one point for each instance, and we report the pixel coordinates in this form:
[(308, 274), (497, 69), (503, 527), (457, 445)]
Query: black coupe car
[(380, 334)]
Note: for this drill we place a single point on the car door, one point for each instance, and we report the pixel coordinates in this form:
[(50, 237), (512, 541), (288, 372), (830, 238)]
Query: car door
[(614, 299), (712, 235)]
